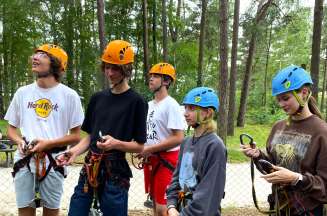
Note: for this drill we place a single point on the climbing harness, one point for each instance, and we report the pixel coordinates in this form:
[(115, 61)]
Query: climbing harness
[(150, 170), (97, 168), (40, 161), (27, 146), (92, 168)]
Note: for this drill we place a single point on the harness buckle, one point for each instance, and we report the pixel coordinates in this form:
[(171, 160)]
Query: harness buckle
[(185, 196), (27, 146)]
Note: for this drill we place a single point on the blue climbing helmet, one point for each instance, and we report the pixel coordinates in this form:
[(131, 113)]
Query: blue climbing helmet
[(203, 97), (289, 79)]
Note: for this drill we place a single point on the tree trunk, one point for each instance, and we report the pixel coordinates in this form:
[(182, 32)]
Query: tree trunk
[(262, 10), (69, 41), (2, 50), (324, 84), (223, 72), (2, 111), (154, 32), (100, 12), (178, 16), (52, 8), (233, 71), (145, 41), (174, 27), (164, 31), (316, 40), (201, 42), (139, 44), (264, 96), (170, 20), (6, 48)]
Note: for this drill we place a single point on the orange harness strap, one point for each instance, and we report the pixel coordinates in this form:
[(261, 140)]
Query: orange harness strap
[(92, 171), (183, 199), (181, 195), (40, 158)]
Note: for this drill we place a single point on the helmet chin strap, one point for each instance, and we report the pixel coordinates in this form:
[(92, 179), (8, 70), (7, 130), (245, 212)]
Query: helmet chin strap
[(301, 102), (43, 74), (117, 84), (198, 119), (161, 84), (157, 89)]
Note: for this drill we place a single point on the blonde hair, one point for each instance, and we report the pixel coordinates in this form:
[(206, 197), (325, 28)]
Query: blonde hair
[(210, 125)]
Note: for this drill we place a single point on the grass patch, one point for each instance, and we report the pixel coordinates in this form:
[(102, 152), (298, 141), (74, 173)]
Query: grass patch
[(258, 132), (3, 126)]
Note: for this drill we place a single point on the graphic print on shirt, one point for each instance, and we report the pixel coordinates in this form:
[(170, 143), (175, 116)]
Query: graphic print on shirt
[(289, 148), (151, 127), (187, 174), (42, 107)]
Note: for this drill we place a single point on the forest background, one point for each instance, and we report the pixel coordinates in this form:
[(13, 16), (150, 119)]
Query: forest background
[(209, 42)]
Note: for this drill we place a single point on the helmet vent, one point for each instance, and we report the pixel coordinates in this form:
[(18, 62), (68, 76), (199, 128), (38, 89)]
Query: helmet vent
[(204, 92), (295, 69), (285, 80)]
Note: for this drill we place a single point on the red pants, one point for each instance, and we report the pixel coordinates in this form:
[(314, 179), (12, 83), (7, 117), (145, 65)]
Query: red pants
[(157, 177)]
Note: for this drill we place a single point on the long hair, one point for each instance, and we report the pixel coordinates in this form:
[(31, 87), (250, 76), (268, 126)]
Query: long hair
[(312, 103), (313, 107)]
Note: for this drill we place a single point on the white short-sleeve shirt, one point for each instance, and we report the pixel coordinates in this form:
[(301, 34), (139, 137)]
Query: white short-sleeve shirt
[(163, 116), (45, 113)]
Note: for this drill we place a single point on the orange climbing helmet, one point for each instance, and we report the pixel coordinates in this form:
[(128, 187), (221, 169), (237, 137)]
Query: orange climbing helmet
[(164, 69), (55, 51), (118, 52)]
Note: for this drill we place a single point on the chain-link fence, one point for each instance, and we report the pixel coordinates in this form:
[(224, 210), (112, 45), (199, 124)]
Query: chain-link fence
[(237, 191)]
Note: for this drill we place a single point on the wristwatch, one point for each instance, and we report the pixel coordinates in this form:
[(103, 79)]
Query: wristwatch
[(170, 206), (298, 180)]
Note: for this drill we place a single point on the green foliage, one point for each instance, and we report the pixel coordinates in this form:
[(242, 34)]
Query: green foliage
[(264, 116), (186, 68), (73, 25), (3, 127), (259, 114)]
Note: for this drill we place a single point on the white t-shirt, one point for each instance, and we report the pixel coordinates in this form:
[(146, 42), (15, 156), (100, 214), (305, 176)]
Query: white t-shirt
[(163, 116), (45, 113)]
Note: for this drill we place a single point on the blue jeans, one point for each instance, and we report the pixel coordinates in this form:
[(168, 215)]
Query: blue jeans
[(113, 199)]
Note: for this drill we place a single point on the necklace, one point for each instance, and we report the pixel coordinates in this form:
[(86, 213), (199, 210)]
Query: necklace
[(197, 140)]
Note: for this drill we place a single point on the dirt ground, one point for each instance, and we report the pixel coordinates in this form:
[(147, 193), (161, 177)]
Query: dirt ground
[(140, 213), (240, 212), (225, 212)]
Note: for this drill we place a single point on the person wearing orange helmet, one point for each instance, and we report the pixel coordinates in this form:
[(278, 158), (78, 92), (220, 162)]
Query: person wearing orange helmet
[(49, 116), (165, 127), (115, 123)]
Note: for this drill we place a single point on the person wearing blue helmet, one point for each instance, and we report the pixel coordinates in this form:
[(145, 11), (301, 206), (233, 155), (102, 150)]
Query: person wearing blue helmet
[(198, 182), (297, 148)]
